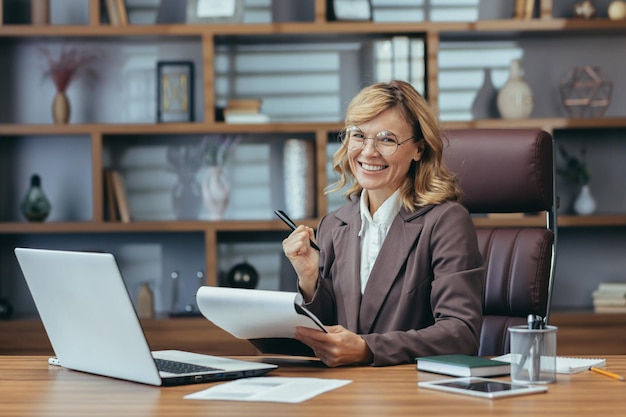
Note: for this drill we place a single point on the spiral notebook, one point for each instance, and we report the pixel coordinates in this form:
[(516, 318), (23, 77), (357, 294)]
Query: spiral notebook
[(567, 365)]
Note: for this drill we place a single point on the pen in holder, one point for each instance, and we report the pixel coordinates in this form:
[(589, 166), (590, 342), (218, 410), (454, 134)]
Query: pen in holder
[(535, 322), (533, 352)]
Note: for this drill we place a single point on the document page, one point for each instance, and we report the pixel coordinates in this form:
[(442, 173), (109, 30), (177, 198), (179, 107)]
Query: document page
[(565, 364), (254, 314), (274, 389)]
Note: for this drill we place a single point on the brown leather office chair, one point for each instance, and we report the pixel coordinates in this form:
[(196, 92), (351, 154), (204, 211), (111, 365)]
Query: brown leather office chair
[(509, 171)]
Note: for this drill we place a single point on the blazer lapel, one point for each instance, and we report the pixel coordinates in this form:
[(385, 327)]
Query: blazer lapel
[(348, 263), (393, 254)]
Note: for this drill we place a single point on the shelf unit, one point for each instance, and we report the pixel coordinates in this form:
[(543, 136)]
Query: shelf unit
[(433, 33), (580, 333)]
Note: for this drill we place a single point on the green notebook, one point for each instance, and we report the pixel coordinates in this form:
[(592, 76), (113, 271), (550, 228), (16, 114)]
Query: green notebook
[(463, 365)]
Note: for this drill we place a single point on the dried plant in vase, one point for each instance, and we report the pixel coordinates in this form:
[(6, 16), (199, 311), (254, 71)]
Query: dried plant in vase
[(67, 67), (217, 148)]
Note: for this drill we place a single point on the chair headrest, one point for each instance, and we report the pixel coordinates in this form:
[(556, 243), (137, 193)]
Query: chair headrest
[(502, 170)]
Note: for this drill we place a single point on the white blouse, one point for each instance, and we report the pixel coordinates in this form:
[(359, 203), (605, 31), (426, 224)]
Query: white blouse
[(374, 230)]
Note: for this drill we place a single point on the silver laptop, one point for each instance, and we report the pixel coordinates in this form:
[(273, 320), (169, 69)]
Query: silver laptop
[(93, 327)]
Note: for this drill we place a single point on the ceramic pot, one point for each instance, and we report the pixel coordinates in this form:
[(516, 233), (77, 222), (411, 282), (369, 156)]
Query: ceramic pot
[(215, 191), (484, 104), (35, 206), (585, 9), (515, 98), (617, 10), (585, 203), (6, 309), (243, 275), (145, 301), (61, 108)]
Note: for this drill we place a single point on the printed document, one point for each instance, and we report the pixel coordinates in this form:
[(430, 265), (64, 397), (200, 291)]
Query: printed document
[(254, 314), (269, 389)]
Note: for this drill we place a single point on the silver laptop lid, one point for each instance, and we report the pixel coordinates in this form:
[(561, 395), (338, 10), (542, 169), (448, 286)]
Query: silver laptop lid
[(88, 314)]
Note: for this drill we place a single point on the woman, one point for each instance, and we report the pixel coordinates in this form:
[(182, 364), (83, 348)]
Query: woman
[(399, 274)]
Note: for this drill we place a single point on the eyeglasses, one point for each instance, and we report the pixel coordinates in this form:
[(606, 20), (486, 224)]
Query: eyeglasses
[(385, 142)]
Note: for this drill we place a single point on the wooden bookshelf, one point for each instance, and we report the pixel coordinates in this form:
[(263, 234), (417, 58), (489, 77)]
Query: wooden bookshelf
[(208, 36)]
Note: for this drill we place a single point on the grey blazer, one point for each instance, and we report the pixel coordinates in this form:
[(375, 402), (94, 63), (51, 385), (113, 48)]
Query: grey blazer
[(424, 293)]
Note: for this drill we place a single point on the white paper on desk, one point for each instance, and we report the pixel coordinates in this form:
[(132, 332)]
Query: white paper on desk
[(565, 364), (254, 314), (269, 389)]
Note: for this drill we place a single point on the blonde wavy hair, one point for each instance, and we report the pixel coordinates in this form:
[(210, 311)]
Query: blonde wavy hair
[(428, 181)]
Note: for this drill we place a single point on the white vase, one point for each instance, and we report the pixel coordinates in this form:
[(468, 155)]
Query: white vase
[(215, 191), (515, 98), (299, 174), (585, 203)]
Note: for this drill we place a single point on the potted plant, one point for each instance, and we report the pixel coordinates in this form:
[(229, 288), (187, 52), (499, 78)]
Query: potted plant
[(576, 171)]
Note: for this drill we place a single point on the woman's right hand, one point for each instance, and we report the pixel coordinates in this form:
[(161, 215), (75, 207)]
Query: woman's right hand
[(303, 258)]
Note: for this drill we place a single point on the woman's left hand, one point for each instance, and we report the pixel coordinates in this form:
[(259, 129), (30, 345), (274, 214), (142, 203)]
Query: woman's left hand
[(337, 347)]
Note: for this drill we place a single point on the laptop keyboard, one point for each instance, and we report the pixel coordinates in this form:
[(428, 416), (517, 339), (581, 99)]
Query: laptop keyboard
[(175, 367)]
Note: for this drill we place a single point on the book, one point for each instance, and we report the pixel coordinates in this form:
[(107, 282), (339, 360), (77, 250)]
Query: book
[(619, 287), (608, 295), (609, 309), (530, 9), (121, 12), (520, 9), (109, 189), (244, 118), (383, 60), (112, 12), (120, 196), (400, 46), (524, 9), (417, 65), (610, 302), (243, 110), (567, 364), (463, 365), (252, 104), (545, 9)]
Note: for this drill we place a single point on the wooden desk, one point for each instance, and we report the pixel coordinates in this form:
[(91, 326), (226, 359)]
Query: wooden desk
[(30, 387)]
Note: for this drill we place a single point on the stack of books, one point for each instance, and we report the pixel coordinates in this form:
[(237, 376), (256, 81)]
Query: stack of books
[(610, 297), (244, 111)]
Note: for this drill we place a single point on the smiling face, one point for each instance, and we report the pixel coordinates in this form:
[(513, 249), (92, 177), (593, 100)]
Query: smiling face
[(382, 175)]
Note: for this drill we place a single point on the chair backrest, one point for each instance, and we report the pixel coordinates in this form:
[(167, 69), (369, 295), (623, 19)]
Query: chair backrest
[(509, 171)]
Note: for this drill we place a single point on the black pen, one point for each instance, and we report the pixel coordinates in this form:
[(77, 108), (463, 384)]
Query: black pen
[(283, 216)]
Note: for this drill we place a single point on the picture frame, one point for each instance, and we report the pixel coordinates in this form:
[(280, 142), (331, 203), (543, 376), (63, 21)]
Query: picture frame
[(351, 10), (214, 11), (175, 91)]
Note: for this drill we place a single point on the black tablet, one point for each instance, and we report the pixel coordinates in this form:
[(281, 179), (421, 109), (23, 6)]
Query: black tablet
[(482, 387)]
